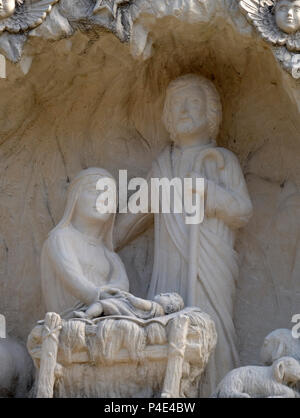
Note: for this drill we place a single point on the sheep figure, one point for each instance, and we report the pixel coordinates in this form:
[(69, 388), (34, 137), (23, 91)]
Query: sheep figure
[(279, 343), (16, 366), (261, 381)]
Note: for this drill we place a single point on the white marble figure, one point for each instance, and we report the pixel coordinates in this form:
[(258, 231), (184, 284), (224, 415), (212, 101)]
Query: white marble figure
[(16, 366), (287, 15), (117, 302), (261, 381), (17, 370), (279, 343), (277, 21), (192, 115), (21, 15), (8, 7), (78, 260)]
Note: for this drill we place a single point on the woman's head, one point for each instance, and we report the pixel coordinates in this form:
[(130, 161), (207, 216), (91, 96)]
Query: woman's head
[(83, 200), (90, 198)]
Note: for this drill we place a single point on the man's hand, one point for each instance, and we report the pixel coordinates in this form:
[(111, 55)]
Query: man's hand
[(194, 176)]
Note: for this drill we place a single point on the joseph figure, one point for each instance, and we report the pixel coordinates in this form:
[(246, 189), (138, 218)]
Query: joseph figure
[(192, 115)]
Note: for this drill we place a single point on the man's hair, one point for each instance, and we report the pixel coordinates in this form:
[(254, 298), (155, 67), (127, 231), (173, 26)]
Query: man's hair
[(213, 102)]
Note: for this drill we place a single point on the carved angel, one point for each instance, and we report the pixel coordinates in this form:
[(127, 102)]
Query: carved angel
[(278, 21), (20, 15)]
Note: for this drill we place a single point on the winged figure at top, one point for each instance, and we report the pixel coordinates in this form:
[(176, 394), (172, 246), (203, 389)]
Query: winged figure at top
[(277, 21)]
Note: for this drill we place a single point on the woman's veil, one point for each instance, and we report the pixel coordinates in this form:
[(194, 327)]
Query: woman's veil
[(73, 193)]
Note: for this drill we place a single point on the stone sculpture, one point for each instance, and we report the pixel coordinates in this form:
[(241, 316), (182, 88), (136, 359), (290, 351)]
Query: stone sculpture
[(80, 358), (16, 367), (261, 382), (115, 16), (287, 15), (115, 331), (123, 303), (278, 22), (75, 96), (281, 353), (110, 5), (16, 377), (198, 261), (8, 7), (279, 343), (78, 261), (22, 15)]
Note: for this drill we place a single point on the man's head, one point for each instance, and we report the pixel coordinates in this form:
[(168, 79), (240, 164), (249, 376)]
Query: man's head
[(192, 106), (287, 15)]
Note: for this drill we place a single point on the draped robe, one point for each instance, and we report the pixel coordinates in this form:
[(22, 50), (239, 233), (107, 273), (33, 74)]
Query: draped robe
[(74, 267), (227, 208)]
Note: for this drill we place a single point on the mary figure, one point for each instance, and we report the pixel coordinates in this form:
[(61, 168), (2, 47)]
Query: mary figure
[(78, 260)]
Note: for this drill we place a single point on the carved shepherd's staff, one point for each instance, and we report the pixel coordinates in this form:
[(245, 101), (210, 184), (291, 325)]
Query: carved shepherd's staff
[(194, 229)]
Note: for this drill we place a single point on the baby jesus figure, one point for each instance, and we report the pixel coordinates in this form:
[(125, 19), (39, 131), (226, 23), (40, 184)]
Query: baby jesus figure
[(121, 303)]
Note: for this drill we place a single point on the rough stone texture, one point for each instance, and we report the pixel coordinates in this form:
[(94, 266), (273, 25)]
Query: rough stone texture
[(17, 369), (55, 27), (91, 100), (261, 382), (12, 45), (120, 356)]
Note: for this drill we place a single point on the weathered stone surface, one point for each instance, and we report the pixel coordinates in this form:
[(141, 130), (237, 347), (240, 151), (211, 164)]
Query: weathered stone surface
[(76, 9), (121, 356), (261, 382), (55, 27), (12, 45), (2, 326), (17, 369), (91, 100)]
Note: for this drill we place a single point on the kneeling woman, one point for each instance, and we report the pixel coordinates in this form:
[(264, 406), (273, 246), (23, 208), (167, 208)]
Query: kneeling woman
[(78, 260)]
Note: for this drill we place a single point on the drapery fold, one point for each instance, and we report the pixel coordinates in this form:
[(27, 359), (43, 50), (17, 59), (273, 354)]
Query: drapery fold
[(217, 260)]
